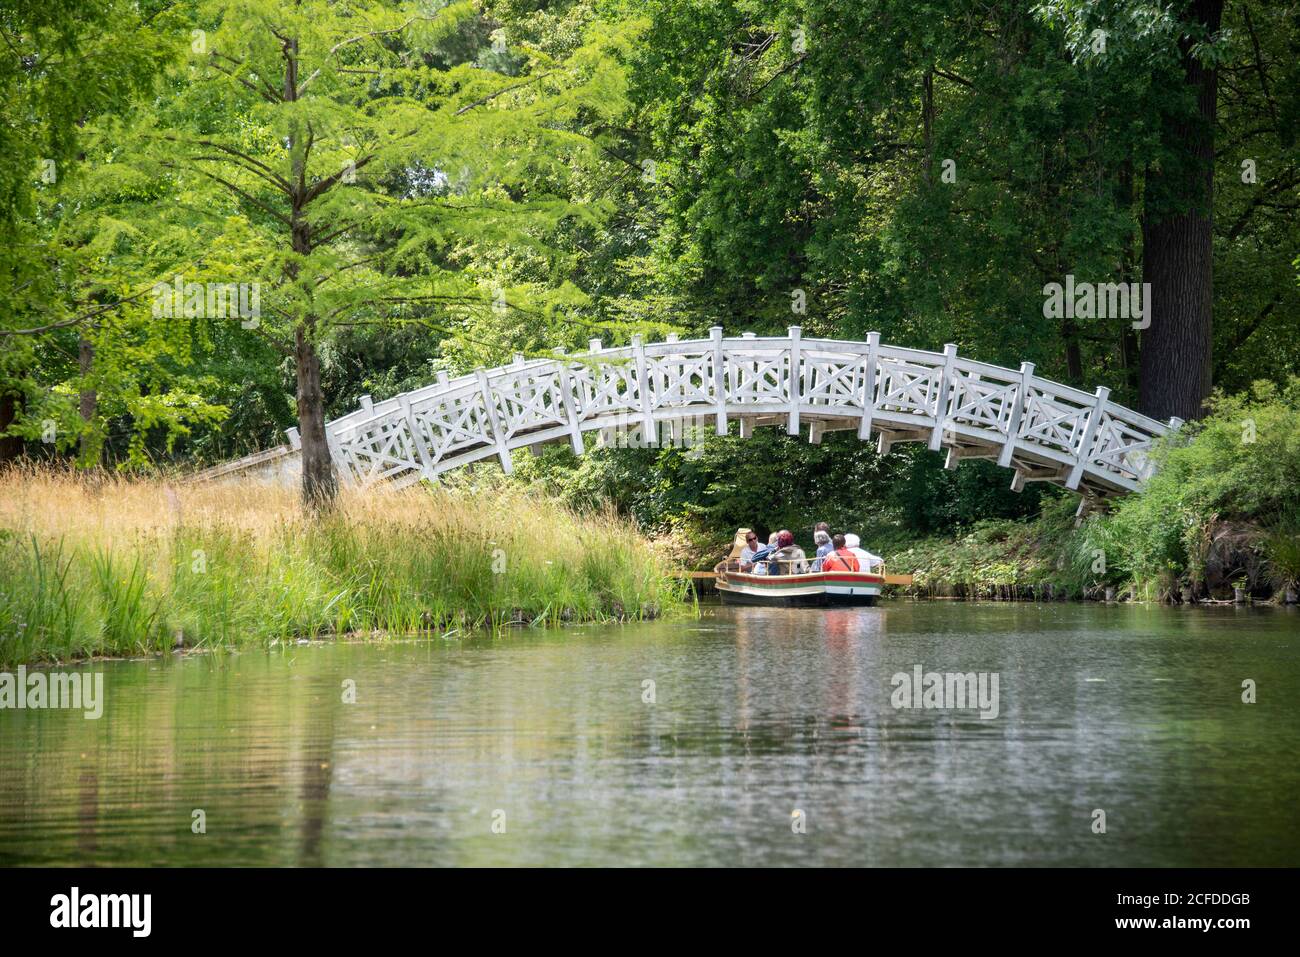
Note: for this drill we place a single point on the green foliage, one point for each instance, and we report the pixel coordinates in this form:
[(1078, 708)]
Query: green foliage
[(223, 574), (1240, 463)]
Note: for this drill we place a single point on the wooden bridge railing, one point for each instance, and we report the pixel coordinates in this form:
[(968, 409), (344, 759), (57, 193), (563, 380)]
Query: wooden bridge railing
[(1042, 430)]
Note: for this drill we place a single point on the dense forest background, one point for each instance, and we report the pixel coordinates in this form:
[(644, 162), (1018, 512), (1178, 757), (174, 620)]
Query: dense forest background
[(433, 186)]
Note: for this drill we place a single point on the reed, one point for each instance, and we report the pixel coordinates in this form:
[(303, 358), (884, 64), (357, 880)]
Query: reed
[(103, 565)]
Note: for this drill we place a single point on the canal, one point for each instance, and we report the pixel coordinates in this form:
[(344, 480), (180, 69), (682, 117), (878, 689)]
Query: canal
[(743, 737)]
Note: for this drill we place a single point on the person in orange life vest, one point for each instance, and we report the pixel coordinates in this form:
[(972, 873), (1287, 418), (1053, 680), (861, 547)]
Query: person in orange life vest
[(840, 560)]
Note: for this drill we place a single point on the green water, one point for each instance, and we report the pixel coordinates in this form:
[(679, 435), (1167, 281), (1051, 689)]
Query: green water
[(757, 713)]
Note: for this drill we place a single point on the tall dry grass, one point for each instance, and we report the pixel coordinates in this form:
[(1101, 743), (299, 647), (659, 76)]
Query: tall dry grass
[(104, 565)]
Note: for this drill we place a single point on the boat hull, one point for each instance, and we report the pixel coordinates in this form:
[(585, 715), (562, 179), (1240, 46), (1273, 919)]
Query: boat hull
[(816, 590)]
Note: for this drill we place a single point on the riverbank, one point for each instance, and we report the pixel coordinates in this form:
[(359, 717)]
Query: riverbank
[(99, 565), (1219, 521)]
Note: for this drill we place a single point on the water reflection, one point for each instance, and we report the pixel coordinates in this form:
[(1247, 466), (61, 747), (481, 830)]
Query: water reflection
[(756, 712)]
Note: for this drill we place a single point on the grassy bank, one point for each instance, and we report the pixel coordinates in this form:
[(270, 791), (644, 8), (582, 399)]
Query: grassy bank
[(108, 566)]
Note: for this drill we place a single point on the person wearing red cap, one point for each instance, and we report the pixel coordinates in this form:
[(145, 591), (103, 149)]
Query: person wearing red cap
[(789, 558)]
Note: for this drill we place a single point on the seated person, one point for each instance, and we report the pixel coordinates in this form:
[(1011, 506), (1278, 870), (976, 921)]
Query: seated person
[(789, 558), (752, 552), (763, 564), (865, 559), (840, 560), (822, 538)]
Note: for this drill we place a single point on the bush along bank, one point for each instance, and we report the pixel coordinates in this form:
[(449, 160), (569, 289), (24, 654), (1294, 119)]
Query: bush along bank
[(1218, 522)]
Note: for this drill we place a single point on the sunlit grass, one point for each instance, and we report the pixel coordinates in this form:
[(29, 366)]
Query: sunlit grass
[(105, 565)]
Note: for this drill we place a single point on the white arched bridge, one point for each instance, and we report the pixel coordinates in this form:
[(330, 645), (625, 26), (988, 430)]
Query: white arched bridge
[(1043, 431)]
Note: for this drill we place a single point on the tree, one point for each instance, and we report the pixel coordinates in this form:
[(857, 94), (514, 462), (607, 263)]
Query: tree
[(65, 67), (1177, 231), (366, 158)]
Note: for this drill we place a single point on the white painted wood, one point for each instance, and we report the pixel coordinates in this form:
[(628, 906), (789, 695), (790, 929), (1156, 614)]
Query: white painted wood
[(869, 385), (795, 380), (421, 449), (569, 397), (941, 400), (497, 436), (644, 387), (1017, 409), (1048, 431), (1084, 455), (719, 380)]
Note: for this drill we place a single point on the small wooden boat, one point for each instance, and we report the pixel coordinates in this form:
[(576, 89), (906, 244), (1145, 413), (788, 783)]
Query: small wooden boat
[(799, 591), (808, 589)]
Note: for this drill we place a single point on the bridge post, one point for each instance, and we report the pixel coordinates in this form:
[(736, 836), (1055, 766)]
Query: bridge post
[(649, 432), (342, 461), (796, 382), (719, 380), (569, 400), (490, 408), (426, 460), (1017, 411), (869, 386), (1084, 455), (941, 405)]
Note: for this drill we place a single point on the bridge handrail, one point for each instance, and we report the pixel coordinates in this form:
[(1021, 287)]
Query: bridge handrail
[(1044, 430)]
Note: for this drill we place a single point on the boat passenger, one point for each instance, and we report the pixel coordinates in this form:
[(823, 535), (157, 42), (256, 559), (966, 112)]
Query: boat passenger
[(866, 560), (752, 552), (822, 537), (763, 560), (789, 558), (841, 560)]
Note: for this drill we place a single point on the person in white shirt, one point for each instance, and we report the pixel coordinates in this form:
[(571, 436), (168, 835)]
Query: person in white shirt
[(866, 560)]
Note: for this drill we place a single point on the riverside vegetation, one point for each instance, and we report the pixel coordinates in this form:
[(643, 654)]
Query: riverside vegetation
[(1223, 513), (94, 565)]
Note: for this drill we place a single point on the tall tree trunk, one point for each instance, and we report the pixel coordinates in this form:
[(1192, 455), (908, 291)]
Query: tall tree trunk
[(1177, 239), (88, 404), (319, 484), (1128, 269), (11, 446)]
